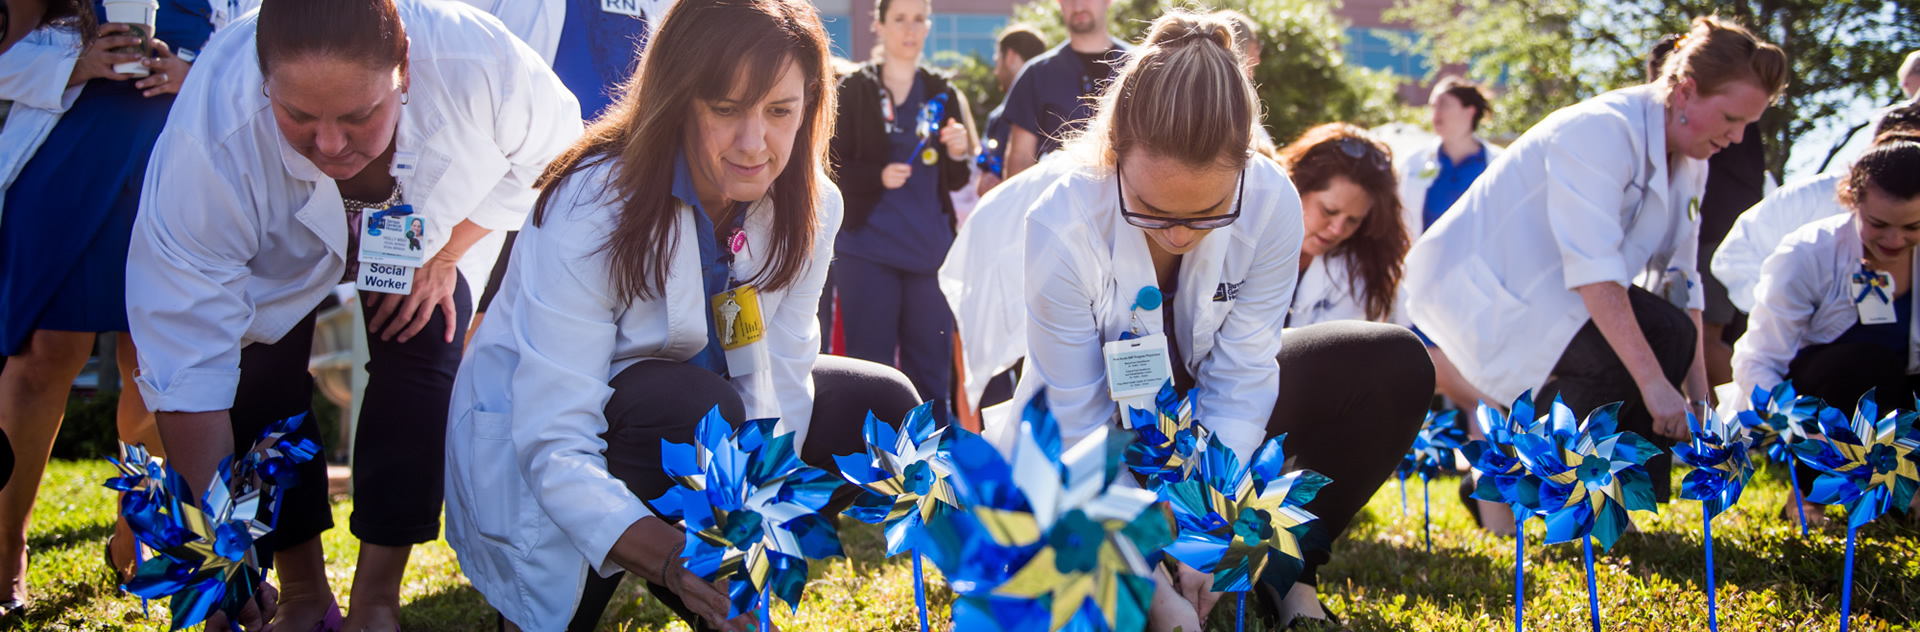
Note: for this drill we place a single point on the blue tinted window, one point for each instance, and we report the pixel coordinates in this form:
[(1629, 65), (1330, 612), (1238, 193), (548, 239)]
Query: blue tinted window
[(964, 33), (840, 32), (1369, 49)]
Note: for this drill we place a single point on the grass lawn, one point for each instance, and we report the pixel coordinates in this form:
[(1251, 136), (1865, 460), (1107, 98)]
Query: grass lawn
[(1770, 578)]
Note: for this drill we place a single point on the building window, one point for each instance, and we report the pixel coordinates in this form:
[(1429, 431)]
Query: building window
[(839, 34), (1368, 48), (964, 33)]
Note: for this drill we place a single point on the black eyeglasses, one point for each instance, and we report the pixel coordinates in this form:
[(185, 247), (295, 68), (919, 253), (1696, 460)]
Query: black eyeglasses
[(1156, 222), (1360, 149)]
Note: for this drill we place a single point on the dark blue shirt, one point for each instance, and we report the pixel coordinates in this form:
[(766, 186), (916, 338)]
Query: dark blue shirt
[(1451, 182), (995, 144), (1046, 98), (908, 231), (598, 50), (715, 265), (1890, 335)]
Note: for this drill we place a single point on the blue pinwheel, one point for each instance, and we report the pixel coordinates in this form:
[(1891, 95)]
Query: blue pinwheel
[(1242, 523), (206, 561), (1167, 438), (1047, 540), (1433, 446), (927, 127), (1505, 479), (1870, 466), (751, 511), (1590, 477), (1718, 454), (904, 477), (1777, 420)]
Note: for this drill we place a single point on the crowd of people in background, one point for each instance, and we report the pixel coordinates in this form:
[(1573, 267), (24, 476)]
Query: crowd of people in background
[(613, 217)]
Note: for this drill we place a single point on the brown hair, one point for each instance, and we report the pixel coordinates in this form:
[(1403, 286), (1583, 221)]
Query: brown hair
[(1715, 52), (1901, 120), (1888, 167), (1379, 245), (1023, 40), (1182, 95), (1246, 34), (366, 32), (1468, 93), (703, 48), (76, 15)]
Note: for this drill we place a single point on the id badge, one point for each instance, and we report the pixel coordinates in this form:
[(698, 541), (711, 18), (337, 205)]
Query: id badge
[(384, 277), (397, 238), (622, 7), (736, 315), (1875, 307), (1139, 366)]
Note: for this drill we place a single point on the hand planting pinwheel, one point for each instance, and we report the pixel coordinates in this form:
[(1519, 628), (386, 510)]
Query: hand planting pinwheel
[(1241, 524), (751, 511)]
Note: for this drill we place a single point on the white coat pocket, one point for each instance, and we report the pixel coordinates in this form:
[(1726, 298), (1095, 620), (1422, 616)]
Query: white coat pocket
[(489, 467), (1482, 303)]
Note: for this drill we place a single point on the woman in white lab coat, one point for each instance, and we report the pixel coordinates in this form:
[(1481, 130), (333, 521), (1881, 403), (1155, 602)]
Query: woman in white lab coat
[(1175, 231), (1760, 229), (1351, 255), (1835, 301), (326, 110), (1433, 177), (610, 333), (1568, 268)]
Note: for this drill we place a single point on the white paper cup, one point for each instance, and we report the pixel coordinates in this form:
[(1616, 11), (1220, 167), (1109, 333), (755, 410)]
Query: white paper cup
[(138, 15)]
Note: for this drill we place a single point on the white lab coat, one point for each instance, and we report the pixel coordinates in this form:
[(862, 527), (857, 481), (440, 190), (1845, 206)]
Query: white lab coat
[(1758, 232), (239, 237), (1327, 294), (33, 75), (1084, 266), (982, 276), (1417, 170), (1804, 301), (539, 22), (1584, 197), (531, 508)]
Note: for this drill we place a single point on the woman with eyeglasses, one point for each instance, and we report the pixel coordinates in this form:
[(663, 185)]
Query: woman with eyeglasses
[(1175, 239), (1568, 269)]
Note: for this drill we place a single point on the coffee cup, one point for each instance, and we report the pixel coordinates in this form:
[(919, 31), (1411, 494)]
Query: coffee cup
[(138, 15)]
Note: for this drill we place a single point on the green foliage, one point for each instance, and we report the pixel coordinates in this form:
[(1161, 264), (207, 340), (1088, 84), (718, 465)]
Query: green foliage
[(1303, 78), (1549, 54), (973, 77)]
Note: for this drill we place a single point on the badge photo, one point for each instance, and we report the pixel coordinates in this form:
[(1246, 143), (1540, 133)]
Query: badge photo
[(395, 236)]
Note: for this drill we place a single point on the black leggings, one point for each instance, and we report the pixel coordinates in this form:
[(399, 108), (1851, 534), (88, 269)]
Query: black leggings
[(1841, 374), (1590, 375), (665, 400), (399, 455), (1352, 396)]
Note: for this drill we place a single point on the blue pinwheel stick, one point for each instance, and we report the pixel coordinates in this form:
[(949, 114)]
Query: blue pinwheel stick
[(1432, 447), (1718, 454), (1504, 479), (904, 477), (1868, 465)]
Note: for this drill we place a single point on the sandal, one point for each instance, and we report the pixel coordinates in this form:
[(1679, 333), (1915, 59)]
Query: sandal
[(116, 572)]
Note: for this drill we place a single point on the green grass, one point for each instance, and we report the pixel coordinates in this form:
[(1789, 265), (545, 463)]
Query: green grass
[(1770, 578)]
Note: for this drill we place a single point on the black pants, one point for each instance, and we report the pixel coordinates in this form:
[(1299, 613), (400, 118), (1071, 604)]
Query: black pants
[(1590, 375), (1352, 396), (666, 400), (1841, 374), (399, 455)]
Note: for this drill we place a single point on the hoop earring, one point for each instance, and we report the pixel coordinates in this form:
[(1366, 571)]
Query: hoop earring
[(403, 101)]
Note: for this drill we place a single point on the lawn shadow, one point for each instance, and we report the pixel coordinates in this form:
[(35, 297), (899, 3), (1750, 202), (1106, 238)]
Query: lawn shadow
[(46, 614), (69, 536), (454, 608)]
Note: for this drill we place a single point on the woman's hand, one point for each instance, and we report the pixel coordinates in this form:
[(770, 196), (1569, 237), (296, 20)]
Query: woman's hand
[(894, 175), (959, 143), (406, 315), (1669, 410), (651, 549), (169, 72), (98, 60), (1197, 588)]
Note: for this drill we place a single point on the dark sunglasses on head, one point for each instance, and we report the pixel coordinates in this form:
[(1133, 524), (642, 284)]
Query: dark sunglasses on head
[(1156, 222), (1359, 149)]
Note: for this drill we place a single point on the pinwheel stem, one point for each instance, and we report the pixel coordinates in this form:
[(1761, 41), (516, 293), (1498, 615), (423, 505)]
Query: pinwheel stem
[(1240, 612), (766, 612), (1426, 518), (1846, 584), (1713, 616), (1593, 590), (1519, 569), (1403, 498), (1793, 483), (919, 589)]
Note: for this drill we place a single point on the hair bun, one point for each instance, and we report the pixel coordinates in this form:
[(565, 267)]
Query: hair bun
[(1181, 29)]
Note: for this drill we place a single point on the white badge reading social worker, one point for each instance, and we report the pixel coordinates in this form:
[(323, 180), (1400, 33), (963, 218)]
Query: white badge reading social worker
[(396, 235), (1139, 366), (384, 277), (1872, 293), (622, 7)]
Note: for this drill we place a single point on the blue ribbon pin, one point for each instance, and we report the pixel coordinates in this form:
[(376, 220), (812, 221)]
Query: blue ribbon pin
[(373, 224), (1873, 284)]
